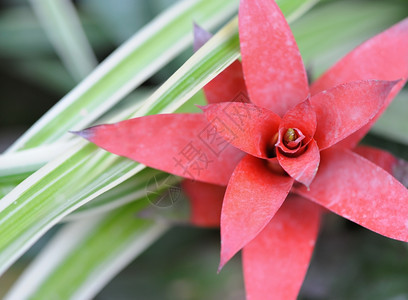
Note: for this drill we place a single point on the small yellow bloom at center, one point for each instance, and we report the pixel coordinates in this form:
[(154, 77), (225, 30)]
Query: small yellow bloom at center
[(290, 135)]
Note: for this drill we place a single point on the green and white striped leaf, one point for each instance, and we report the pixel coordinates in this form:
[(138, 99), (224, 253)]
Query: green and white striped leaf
[(295, 8), (85, 172), (130, 65), (334, 28), (17, 166), (61, 22), (136, 187), (87, 254)]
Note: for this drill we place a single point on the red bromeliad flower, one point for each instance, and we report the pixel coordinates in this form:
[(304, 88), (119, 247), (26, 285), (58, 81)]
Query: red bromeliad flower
[(290, 145)]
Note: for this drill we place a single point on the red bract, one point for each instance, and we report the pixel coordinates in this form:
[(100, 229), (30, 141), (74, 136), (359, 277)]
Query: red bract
[(290, 140)]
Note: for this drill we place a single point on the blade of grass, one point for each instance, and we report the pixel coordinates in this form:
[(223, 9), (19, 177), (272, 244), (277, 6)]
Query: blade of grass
[(16, 166), (134, 188), (130, 65), (61, 23), (85, 172), (295, 8), (85, 255), (393, 123), (334, 28)]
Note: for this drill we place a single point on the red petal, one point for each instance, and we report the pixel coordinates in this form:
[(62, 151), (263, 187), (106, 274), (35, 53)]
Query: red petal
[(246, 126), (346, 108), (206, 202), (276, 261), (253, 196), (360, 191), (229, 85), (273, 68), (201, 36), (382, 57), (304, 167), (302, 117), (182, 144), (381, 158)]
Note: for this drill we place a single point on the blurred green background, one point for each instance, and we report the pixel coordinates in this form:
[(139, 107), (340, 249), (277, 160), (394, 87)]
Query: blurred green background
[(349, 262)]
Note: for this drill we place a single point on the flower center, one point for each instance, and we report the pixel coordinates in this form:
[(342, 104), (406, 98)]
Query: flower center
[(289, 141), (290, 136)]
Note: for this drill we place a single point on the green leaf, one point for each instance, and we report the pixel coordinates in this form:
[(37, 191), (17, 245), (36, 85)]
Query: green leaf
[(126, 68), (334, 28), (138, 186), (16, 166), (85, 172), (393, 123), (87, 254), (61, 22), (295, 8)]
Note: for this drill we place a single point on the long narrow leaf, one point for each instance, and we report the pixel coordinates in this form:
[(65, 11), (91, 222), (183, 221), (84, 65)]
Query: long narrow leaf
[(393, 123), (17, 166), (85, 255), (85, 172), (295, 8), (14, 166), (324, 37), (62, 24), (130, 65), (146, 181)]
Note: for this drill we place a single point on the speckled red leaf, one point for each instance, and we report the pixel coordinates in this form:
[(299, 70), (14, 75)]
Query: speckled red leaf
[(181, 144), (346, 108), (253, 196), (244, 125), (276, 261), (229, 85), (205, 202), (381, 158), (383, 57), (302, 168), (360, 191), (273, 68), (302, 117)]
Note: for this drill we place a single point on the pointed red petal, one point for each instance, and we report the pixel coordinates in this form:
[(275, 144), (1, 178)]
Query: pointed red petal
[(383, 57), (360, 191), (244, 125), (304, 167), (206, 202), (181, 144), (346, 108), (273, 68), (302, 117), (229, 85), (253, 196), (381, 158), (201, 36), (276, 261)]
